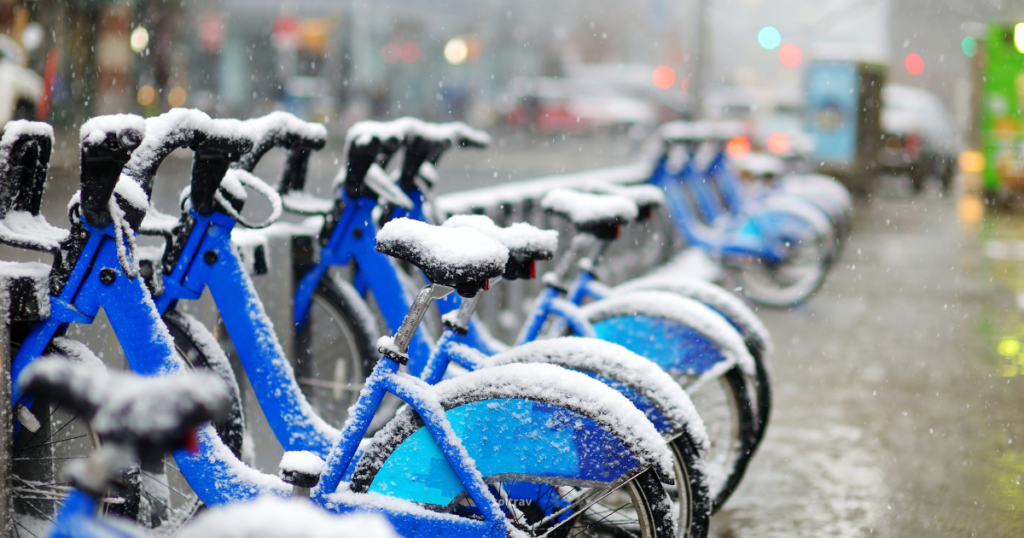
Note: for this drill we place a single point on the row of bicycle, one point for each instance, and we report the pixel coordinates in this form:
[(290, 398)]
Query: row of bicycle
[(628, 410)]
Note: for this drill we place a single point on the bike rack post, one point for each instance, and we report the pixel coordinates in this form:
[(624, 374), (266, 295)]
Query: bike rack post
[(24, 296)]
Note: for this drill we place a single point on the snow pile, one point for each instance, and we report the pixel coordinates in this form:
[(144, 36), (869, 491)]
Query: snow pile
[(447, 252), (301, 461), (760, 165), (15, 129), (641, 195), (682, 310), (304, 203), (270, 517), (521, 239), (37, 273), (95, 130), (618, 363), (519, 191), (692, 262), (21, 228), (731, 306), (585, 208)]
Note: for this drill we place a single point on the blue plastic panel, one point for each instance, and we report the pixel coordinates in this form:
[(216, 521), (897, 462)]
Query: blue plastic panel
[(672, 345), (504, 437)]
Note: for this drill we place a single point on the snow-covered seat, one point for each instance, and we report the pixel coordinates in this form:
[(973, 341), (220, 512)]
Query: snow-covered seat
[(152, 414), (525, 243), (460, 258), (24, 160), (596, 214)]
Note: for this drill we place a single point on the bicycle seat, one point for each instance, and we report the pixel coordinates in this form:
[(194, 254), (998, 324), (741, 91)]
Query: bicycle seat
[(24, 159), (459, 258), (596, 214), (525, 243), (150, 414), (646, 197)]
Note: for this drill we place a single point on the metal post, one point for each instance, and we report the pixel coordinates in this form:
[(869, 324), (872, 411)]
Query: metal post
[(700, 62)]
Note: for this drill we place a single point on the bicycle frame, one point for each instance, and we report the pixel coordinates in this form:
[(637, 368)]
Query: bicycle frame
[(97, 281)]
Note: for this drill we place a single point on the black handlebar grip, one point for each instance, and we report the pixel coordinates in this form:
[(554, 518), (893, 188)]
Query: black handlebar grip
[(104, 155), (419, 150), (281, 129), (214, 154), (24, 161), (360, 158)]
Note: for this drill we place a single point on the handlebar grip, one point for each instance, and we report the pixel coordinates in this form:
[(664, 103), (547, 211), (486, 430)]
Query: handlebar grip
[(24, 160), (224, 142), (371, 142), (106, 146), (419, 150), (284, 130)]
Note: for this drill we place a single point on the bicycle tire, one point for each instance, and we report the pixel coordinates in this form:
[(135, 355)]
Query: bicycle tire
[(771, 291), (336, 350), (734, 430), (646, 493), (63, 436), (694, 513)]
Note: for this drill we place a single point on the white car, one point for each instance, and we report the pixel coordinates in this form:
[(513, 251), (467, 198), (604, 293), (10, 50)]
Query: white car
[(20, 87)]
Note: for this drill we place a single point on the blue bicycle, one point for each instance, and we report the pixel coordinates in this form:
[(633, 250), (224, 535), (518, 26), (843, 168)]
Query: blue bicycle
[(587, 462)]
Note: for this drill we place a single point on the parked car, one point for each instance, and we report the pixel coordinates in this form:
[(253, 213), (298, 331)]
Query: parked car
[(919, 138), (20, 87), (571, 105)]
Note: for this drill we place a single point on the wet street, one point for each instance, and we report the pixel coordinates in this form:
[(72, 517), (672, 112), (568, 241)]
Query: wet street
[(897, 402)]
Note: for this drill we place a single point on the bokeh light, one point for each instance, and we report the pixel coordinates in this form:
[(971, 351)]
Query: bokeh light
[(685, 85), (972, 162), (1018, 36), (769, 38), (176, 97), (146, 95), (391, 53), (969, 46), (139, 39), (663, 77), (778, 143), (914, 64), (409, 53), (456, 51), (738, 147), (790, 55)]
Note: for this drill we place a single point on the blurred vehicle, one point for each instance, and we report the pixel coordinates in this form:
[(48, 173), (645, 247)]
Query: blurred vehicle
[(919, 138), (780, 131), (20, 87), (571, 105), (634, 80)]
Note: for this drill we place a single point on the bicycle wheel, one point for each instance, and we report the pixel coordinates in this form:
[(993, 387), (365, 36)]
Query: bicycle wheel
[(784, 284), (724, 405), (336, 349), (652, 391), (38, 458), (507, 425), (689, 340)]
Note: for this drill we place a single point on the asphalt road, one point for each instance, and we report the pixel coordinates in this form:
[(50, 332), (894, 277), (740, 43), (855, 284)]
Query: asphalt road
[(892, 413)]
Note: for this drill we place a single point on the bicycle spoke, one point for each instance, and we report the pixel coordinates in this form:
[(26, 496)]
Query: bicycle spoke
[(153, 478), (50, 443)]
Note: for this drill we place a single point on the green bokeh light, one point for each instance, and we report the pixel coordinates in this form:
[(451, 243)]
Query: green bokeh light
[(970, 46), (769, 37)]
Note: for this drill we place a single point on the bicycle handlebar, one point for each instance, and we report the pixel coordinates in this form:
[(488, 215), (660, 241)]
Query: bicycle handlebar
[(224, 143), (298, 137), (106, 146)]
